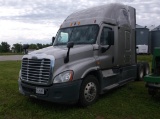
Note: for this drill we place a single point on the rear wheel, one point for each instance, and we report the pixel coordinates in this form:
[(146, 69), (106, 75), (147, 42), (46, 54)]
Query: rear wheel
[(146, 68), (140, 72), (89, 91)]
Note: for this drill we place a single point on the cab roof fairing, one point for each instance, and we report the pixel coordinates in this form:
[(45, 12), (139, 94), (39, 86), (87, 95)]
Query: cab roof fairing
[(108, 13)]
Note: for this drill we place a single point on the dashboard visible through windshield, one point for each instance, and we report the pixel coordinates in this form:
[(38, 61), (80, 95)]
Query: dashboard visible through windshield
[(78, 35)]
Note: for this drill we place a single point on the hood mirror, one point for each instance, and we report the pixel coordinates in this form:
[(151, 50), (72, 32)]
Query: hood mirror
[(25, 47), (70, 45)]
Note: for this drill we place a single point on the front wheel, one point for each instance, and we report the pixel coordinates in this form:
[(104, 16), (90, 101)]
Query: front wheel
[(89, 91)]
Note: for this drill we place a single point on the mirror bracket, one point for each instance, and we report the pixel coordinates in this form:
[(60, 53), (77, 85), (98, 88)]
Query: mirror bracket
[(69, 45)]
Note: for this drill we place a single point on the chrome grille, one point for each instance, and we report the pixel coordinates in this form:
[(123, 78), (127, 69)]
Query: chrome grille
[(36, 70)]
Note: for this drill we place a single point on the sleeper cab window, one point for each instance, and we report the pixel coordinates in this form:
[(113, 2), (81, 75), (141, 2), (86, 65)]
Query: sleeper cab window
[(104, 39)]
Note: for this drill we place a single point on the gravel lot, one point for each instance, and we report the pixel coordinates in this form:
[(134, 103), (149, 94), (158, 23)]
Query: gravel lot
[(11, 57)]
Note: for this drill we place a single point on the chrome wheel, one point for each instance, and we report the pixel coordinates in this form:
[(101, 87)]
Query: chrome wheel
[(90, 92), (146, 68), (141, 74), (147, 71)]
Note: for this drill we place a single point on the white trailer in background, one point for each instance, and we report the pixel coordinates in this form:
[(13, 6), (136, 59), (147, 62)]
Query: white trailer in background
[(142, 49)]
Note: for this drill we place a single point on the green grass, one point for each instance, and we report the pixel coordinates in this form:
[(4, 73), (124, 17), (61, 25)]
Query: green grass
[(127, 102), (146, 58)]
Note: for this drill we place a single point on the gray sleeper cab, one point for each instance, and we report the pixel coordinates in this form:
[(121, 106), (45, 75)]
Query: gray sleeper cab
[(93, 52)]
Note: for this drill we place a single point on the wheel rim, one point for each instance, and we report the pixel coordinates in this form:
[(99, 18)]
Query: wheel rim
[(147, 71), (90, 92), (141, 74)]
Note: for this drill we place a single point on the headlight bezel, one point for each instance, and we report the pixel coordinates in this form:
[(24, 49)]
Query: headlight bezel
[(63, 77)]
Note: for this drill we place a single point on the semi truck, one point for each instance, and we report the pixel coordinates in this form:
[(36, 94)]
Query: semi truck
[(93, 52)]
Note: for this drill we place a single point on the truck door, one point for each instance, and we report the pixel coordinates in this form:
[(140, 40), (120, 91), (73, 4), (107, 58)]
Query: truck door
[(106, 51), (106, 58)]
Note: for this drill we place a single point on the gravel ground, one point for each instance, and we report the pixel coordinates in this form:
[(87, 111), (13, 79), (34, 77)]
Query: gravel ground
[(11, 57)]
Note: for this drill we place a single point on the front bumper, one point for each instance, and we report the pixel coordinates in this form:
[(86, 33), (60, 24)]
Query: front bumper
[(152, 78), (60, 93), (152, 81)]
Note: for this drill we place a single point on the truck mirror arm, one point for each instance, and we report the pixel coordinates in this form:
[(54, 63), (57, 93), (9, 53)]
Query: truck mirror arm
[(53, 39), (66, 59), (69, 45)]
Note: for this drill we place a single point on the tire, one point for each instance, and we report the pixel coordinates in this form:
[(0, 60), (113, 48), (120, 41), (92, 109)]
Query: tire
[(89, 91), (146, 68), (140, 72)]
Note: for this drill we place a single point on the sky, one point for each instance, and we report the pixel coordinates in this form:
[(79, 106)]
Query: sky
[(36, 21)]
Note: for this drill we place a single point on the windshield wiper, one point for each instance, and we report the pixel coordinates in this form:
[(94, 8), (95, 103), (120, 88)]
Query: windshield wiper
[(81, 43), (60, 44)]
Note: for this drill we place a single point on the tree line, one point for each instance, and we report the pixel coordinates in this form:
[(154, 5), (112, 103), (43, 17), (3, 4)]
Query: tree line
[(18, 48)]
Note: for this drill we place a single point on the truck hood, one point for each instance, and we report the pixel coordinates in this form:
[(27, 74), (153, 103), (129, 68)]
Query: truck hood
[(61, 51)]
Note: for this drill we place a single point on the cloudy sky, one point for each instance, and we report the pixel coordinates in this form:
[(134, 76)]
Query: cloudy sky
[(36, 21)]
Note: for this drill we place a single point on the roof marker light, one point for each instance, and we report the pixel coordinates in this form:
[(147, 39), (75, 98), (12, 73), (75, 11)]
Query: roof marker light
[(71, 24), (78, 23)]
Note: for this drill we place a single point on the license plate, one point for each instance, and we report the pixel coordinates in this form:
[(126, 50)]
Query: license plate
[(39, 90)]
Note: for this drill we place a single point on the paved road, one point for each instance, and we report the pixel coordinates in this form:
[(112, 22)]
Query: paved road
[(10, 57)]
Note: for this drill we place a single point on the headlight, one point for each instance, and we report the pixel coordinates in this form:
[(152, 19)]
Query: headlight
[(64, 77)]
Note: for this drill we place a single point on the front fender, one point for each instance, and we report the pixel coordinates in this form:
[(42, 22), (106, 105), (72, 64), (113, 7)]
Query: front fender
[(79, 67), (89, 70)]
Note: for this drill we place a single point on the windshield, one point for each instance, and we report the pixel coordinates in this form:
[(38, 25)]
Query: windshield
[(79, 35)]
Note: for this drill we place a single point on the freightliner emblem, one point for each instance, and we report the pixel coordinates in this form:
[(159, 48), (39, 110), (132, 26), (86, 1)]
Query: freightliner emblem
[(34, 57)]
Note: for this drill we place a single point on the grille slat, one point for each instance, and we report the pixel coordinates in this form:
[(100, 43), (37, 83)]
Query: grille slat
[(36, 70), (43, 75)]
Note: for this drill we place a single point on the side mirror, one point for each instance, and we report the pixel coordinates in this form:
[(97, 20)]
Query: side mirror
[(110, 37), (70, 45), (25, 47), (53, 38)]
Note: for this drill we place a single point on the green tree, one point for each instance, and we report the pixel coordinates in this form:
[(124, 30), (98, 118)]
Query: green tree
[(46, 45), (17, 48), (4, 47), (32, 46), (39, 46)]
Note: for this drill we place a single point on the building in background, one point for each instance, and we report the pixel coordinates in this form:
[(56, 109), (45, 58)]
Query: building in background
[(155, 38), (143, 42)]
